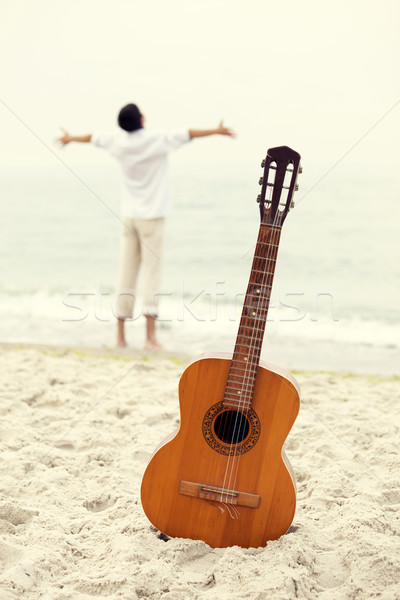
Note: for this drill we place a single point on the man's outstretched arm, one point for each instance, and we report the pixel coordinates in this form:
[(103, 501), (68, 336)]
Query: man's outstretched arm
[(220, 130), (67, 138)]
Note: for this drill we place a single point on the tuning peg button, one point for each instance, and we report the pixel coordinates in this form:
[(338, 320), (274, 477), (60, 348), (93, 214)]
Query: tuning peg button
[(300, 169), (261, 181), (263, 163), (296, 187)]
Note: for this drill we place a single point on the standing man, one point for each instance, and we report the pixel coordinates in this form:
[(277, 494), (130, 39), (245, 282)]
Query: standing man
[(143, 157)]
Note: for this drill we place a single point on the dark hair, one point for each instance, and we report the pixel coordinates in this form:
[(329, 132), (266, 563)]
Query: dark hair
[(129, 118)]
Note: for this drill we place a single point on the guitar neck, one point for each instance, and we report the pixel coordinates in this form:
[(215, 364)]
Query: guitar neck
[(246, 356)]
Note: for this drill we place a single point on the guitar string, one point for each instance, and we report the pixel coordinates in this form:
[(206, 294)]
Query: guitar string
[(232, 454), (273, 242), (248, 373), (248, 378), (274, 237), (267, 269), (267, 260)]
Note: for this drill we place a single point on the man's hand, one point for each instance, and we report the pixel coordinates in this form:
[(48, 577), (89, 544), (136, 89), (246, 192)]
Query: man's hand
[(220, 130), (67, 138)]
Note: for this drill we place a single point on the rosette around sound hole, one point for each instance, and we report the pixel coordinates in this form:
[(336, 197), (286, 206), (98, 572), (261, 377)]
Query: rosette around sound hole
[(229, 431)]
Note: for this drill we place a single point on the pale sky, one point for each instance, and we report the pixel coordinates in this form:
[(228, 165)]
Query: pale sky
[(317, 76)]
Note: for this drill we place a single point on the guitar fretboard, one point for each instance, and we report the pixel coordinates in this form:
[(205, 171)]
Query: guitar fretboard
[(243, 371)]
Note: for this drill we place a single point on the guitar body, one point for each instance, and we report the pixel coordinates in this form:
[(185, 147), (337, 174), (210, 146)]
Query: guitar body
[(200, 485)]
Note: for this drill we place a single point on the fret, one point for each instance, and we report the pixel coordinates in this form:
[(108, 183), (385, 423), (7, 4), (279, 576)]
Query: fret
[(243, 365), (240, 344), (245, 348), (234, 404), (247, 357), (271, 260), (235, 392), (250, 323), (256, 335), (271, 242), (259, 286), (268, 239), (235, 386), (244, 353), (243, 373), (258, 313), (255, 320), (254, 362), (263, 285), (263, 272), (241, 386), (240, 399), (252, 326), (247, 351), (268, 244), (253, 305), (236, 381), (239, 377), (262, 290), (250, 311), (264, 295), (241, 392), (248, 341), (245, 406), (252, 370), (261, 305), (244, 397), (263, 257), (239, 380), (266, 226)]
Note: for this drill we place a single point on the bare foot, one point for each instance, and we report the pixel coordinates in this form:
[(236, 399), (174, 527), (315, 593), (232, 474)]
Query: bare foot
[(121, 344), (153, 346)]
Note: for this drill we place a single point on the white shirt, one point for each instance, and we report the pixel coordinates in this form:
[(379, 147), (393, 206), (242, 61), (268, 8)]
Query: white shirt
[(143, 156)]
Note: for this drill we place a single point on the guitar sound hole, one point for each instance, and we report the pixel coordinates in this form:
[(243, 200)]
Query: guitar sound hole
[(231, 427)]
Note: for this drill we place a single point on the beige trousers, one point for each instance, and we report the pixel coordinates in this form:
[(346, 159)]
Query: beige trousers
[(141, 245)]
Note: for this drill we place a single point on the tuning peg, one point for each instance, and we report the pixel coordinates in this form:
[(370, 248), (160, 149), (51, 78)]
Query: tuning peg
[(300, 169), (296, 187), (259, 198), (292, 204), (263, 163), (261, 181)]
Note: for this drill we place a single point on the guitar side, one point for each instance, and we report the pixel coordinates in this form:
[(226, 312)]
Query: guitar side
[(195, 487)]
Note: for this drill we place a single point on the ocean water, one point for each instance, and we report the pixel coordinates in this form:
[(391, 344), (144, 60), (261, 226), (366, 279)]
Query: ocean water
[(335, 299)]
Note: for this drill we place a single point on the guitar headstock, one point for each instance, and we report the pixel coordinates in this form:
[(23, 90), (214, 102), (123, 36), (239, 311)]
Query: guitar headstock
[(279, 182)]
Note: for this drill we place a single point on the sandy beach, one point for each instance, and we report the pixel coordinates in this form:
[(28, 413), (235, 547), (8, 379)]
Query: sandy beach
[(77, 430)]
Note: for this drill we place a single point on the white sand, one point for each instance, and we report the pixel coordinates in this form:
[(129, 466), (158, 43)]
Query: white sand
[(76, 432)]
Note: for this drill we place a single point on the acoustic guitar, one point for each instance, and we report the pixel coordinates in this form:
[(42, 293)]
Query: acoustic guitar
[(223, 477)]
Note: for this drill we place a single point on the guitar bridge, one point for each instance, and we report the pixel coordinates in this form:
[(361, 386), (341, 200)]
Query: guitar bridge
[(218, 494)]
